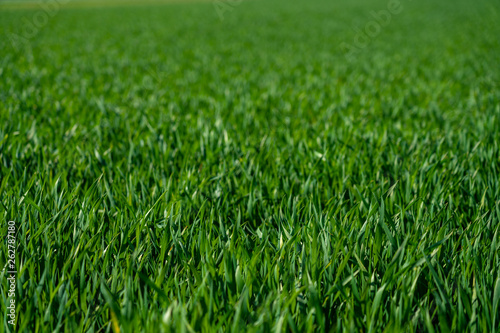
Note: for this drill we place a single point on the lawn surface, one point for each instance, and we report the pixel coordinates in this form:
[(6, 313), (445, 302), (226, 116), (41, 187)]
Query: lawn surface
[(191, 167)]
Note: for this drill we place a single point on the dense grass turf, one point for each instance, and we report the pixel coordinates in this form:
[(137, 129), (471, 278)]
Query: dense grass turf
[(169, 170)]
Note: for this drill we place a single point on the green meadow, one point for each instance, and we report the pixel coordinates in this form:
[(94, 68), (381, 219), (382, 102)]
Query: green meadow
[(258, 166)]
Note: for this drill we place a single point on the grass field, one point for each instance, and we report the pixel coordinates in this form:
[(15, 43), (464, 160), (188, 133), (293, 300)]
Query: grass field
[(260, 167)]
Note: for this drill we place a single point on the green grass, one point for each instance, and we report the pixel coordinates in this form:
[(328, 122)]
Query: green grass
[(171, 171)]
